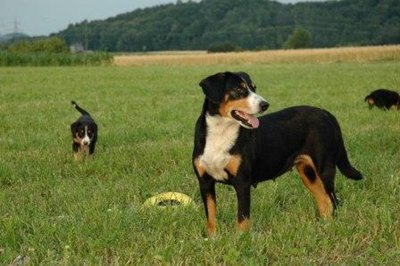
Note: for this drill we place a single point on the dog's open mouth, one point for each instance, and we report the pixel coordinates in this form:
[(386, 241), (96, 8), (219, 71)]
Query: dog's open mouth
[(247, 119)]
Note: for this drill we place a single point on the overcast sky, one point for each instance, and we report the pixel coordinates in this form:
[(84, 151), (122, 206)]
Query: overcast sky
[(42, 17)]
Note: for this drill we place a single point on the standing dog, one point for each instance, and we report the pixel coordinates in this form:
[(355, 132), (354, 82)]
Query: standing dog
[(234, 147), (383, 99), (84, 134)]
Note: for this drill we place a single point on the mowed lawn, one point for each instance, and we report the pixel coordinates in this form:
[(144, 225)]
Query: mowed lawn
[(54, 210)]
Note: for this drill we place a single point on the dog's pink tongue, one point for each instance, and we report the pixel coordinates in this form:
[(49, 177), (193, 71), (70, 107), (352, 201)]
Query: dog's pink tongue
[(253, 121)]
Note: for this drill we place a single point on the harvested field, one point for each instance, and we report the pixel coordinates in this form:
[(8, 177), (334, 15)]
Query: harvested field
[(330, 55)]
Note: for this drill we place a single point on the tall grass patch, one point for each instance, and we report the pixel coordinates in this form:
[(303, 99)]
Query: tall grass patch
[(54, 59), (48, 52), (54, 210)]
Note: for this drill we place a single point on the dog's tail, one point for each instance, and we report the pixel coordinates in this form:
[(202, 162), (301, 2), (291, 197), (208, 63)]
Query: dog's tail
[(344, 164), (77, 107)]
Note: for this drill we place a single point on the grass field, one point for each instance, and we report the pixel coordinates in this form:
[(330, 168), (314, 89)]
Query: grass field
[(57, 211)]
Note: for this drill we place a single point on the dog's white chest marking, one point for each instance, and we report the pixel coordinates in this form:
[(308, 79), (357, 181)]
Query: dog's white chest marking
[(221, 136)]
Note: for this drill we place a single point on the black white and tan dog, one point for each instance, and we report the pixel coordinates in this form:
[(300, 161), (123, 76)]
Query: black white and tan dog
[(234, 147), (383, 99), (84, 134)]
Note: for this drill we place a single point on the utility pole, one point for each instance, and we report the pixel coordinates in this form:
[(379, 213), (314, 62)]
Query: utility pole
[(16, 23)]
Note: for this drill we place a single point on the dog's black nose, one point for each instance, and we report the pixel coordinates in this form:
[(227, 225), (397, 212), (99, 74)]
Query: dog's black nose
[(264, 106), (85, 143)]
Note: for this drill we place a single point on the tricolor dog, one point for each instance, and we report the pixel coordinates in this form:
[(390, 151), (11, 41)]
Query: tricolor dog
[(233, 146), (84, 134)]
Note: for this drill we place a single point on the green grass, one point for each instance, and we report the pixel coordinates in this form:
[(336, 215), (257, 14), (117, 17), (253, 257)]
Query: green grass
[(57, 211)]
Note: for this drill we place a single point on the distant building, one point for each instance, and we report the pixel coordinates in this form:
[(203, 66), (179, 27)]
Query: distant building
[(187, 1), (76, 48)]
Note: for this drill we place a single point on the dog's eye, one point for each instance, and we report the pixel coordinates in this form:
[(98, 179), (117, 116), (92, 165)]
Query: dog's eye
[(239, 92), (242, 91)]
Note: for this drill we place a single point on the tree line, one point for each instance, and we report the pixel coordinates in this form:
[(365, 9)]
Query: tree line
[(242, 24)]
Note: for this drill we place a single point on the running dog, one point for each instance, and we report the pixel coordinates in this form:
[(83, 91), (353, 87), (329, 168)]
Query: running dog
[(84, 134), (233, 146), (383, 99)]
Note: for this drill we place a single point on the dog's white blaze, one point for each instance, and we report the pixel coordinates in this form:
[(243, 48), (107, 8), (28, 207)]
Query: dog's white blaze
[(221, 136), (254, 101), (86, 137)]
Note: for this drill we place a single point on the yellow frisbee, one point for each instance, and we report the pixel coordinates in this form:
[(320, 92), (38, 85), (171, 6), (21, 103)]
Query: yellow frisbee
[(167, 199)]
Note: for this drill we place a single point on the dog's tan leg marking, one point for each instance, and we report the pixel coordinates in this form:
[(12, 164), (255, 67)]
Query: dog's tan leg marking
[(78, 155), (243, 226), (85, 150), (233, 165), (211, 204), (316, 187), (211, 215), (199, 168)]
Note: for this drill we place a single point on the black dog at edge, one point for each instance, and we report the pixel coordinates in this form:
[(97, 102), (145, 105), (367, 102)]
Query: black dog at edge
[(84, 134), (234, 147), (383, 99)]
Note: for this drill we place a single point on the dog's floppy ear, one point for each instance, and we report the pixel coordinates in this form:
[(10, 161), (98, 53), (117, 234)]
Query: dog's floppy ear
[(74, 126), (214, 86)]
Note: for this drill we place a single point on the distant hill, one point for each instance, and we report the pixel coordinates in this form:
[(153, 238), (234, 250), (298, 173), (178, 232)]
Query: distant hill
[(249, 24), (13, 37)]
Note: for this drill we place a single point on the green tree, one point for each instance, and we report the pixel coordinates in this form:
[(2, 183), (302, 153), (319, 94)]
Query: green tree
[(199, 24), (300, 38)]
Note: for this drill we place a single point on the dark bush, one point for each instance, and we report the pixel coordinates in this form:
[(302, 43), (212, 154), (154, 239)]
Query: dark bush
[(223, 48), (300, 38)]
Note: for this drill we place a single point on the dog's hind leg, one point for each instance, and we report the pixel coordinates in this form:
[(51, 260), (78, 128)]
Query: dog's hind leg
[(312, 180), (328, 178)]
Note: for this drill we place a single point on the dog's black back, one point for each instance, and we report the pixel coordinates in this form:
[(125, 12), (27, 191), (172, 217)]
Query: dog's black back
[(383, 99), (295, 131)]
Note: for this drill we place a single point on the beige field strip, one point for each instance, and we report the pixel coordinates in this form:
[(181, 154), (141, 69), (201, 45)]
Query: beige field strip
[(328, 55)]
